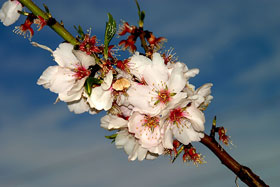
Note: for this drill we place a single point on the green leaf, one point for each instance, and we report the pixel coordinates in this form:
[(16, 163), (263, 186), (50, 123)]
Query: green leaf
[(89, 82), (46, 8), (110, 31), (178, 153), (141, 15), (80, 32), (112, 137)]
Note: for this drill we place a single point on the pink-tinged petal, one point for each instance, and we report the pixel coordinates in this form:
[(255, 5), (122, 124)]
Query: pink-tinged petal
[(196, 117), (107, 81), (47, 76), (177, 81), (137, 65), (9, 12), (150, 139), (100, 99), (168, 138), (126, 112), (86, 60), (146, 129), (191, 73), (78, 107), (111, 122), (64, 57), (135, 123)]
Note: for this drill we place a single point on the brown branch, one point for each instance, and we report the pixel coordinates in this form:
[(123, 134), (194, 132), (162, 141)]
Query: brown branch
[(244, 173)]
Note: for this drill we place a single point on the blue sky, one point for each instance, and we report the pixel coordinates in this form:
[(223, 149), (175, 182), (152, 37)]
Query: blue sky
[(236, 46)]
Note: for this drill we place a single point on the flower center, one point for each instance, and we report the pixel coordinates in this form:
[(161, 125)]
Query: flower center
[(151, 122), (164, 96), (81, 72), (176, 115)]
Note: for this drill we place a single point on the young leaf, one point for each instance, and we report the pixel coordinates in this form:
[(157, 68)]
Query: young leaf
[(141, 15), (178, 153), (46, 8), (110, 31), (89, 82), (112, 137), (80, 32)]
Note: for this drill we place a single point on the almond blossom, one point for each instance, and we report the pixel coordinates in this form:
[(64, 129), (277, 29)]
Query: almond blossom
[(159, 85), (9, 12), (67, 79), (185, 122), (126, 140)]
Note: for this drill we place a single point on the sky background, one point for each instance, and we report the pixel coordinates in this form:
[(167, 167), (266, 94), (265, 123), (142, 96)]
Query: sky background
[(236, 46)]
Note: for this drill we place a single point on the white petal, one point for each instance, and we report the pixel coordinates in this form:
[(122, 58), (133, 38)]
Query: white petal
[(62, 81), (177, 81), (9, 12), (121, 139), (129, 146), (107, 81), (157, 73), (142, 152), (196, 117), (64, 57), (137, 65), (111, 122), (78, 107), (77, 86), (185, 134), (66, 97), (139, 96), (133, 154), (168, 138), (204, 90), (86, 60), (100, 99), (191, 73), (47, 76)]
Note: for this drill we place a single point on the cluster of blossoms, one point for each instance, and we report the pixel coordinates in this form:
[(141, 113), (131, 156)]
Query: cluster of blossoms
[(149, 102), (148, 98)]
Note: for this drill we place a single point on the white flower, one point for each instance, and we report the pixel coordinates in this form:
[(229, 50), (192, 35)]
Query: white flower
[(68, 77), (9, 12), (185, 122), (201, 97), (101, 97), (148, 130), (161, 86), (126, 140)]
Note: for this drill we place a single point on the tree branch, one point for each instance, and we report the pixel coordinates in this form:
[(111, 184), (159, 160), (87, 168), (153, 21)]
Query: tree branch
[(244, 173), (57, 27)]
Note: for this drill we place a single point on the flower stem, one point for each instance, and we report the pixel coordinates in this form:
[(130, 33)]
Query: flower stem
[(244, 173), (57, 27), (143, 41)]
